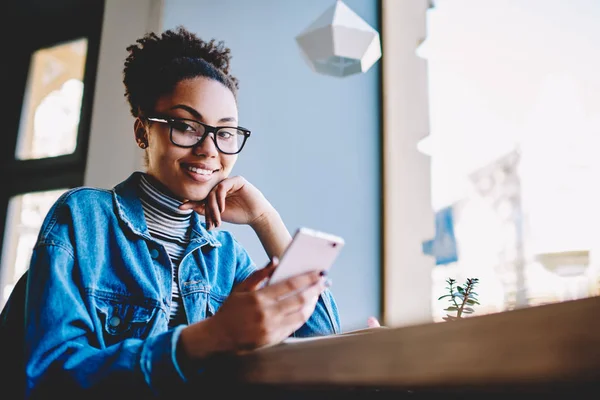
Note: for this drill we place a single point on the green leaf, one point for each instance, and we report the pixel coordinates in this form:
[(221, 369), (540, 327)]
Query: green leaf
[(456, 294), (460, 289), (451, 308), (468, 309), (446, 295), (472, 302)]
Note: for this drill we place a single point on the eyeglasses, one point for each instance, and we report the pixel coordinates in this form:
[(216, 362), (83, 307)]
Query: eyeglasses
[(191, 133)]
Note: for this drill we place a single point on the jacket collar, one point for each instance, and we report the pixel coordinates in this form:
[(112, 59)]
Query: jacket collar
[(130, 212)]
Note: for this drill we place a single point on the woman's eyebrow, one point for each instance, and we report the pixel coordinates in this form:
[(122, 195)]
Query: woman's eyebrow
[(197, 115)]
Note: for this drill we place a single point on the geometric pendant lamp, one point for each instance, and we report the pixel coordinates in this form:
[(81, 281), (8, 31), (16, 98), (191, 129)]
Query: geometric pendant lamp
[(339, 43)]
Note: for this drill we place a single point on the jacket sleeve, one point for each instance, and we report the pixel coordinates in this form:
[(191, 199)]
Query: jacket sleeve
[(61, 354), (324, 320)]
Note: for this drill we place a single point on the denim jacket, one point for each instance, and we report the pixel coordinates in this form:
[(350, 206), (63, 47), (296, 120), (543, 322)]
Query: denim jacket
[(99, 295)]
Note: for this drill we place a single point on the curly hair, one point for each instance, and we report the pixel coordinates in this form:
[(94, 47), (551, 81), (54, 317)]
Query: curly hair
[(157, 63)]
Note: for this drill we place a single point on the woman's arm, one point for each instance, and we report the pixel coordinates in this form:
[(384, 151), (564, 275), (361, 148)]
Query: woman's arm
[(237, 201), (272, 233)]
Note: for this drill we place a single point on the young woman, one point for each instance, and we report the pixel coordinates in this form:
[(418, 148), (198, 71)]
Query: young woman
[(128, 287)]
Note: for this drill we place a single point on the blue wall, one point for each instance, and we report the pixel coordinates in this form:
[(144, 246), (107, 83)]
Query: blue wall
[(314, 151)]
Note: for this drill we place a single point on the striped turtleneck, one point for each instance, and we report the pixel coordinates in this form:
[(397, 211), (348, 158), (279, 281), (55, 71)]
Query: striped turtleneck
[(170, 226)]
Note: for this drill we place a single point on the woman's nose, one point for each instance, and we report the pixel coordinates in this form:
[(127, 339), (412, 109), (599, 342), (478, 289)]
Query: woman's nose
[(206, 147)]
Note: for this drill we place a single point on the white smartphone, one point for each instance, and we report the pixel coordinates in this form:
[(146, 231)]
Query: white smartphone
[(309, 250)]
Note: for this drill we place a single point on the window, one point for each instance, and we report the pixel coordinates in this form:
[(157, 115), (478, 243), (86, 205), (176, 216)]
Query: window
[(53, 93), (49, 87), (515, 131), (26, 213)]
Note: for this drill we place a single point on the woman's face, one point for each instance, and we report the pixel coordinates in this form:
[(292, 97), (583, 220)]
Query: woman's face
[(190, 173)]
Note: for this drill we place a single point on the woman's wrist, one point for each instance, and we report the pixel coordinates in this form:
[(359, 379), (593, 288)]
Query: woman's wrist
[(266, 219), (201, 340)]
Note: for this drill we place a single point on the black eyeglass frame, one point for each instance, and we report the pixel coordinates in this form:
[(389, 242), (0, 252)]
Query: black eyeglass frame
[(207, 129)]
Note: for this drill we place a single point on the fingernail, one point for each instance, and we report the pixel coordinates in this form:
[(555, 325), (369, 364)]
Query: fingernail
[(275, 260), (323, 273)]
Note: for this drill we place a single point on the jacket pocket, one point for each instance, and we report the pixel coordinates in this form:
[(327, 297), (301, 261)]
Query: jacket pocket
[(121, 319), (213, 303)]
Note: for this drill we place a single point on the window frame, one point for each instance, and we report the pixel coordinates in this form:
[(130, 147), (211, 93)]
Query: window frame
[(48, 25), (408, 218)]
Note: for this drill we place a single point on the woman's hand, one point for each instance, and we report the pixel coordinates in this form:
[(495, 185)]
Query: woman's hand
[(237, 201), (251, 318), (233, 200)]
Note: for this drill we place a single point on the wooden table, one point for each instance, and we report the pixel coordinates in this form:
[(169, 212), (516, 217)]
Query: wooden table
[(549, 351)]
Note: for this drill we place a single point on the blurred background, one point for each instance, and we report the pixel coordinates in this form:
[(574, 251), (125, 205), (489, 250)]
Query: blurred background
[(468, 150)]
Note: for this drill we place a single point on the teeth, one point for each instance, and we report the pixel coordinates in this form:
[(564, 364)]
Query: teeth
[(200, 171)]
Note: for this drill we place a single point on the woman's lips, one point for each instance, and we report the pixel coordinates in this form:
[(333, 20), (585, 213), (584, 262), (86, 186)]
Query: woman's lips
[(199, 174)]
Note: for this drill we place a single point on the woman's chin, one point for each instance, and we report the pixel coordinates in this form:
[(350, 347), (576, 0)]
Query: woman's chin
[(195, 195)]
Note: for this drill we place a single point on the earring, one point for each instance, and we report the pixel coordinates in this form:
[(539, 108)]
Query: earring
[(142, 145)]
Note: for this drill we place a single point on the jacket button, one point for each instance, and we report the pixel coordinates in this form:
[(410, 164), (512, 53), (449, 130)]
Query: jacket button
[(114, 321), (154, 253)]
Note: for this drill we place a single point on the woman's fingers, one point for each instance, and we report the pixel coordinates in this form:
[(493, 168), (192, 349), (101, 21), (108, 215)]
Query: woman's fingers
[(221, 196), (293, 284), (213, 210), (243, 205), (296, 313), (289, 313), (255, 318), (197, 206), (372, 322), (301, 300), (216, 200), (253, 281)]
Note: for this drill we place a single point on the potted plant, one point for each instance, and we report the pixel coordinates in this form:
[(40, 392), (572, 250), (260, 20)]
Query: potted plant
[(461, 298)]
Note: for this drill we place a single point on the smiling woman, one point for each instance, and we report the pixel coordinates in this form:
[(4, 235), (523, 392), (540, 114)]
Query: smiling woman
[(177, 152), (129, 288)]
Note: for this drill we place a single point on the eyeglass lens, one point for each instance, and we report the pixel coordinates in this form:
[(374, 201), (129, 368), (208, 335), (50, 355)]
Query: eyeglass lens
[(188, 133)]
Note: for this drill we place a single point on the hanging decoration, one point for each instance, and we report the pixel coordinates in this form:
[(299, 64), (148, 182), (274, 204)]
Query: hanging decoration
[(340, 43)]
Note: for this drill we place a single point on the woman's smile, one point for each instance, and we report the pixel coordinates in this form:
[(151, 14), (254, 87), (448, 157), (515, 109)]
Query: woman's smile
[(200, 173)]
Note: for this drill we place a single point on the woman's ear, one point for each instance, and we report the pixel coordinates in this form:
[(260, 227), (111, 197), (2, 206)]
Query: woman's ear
[(141, 133)]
